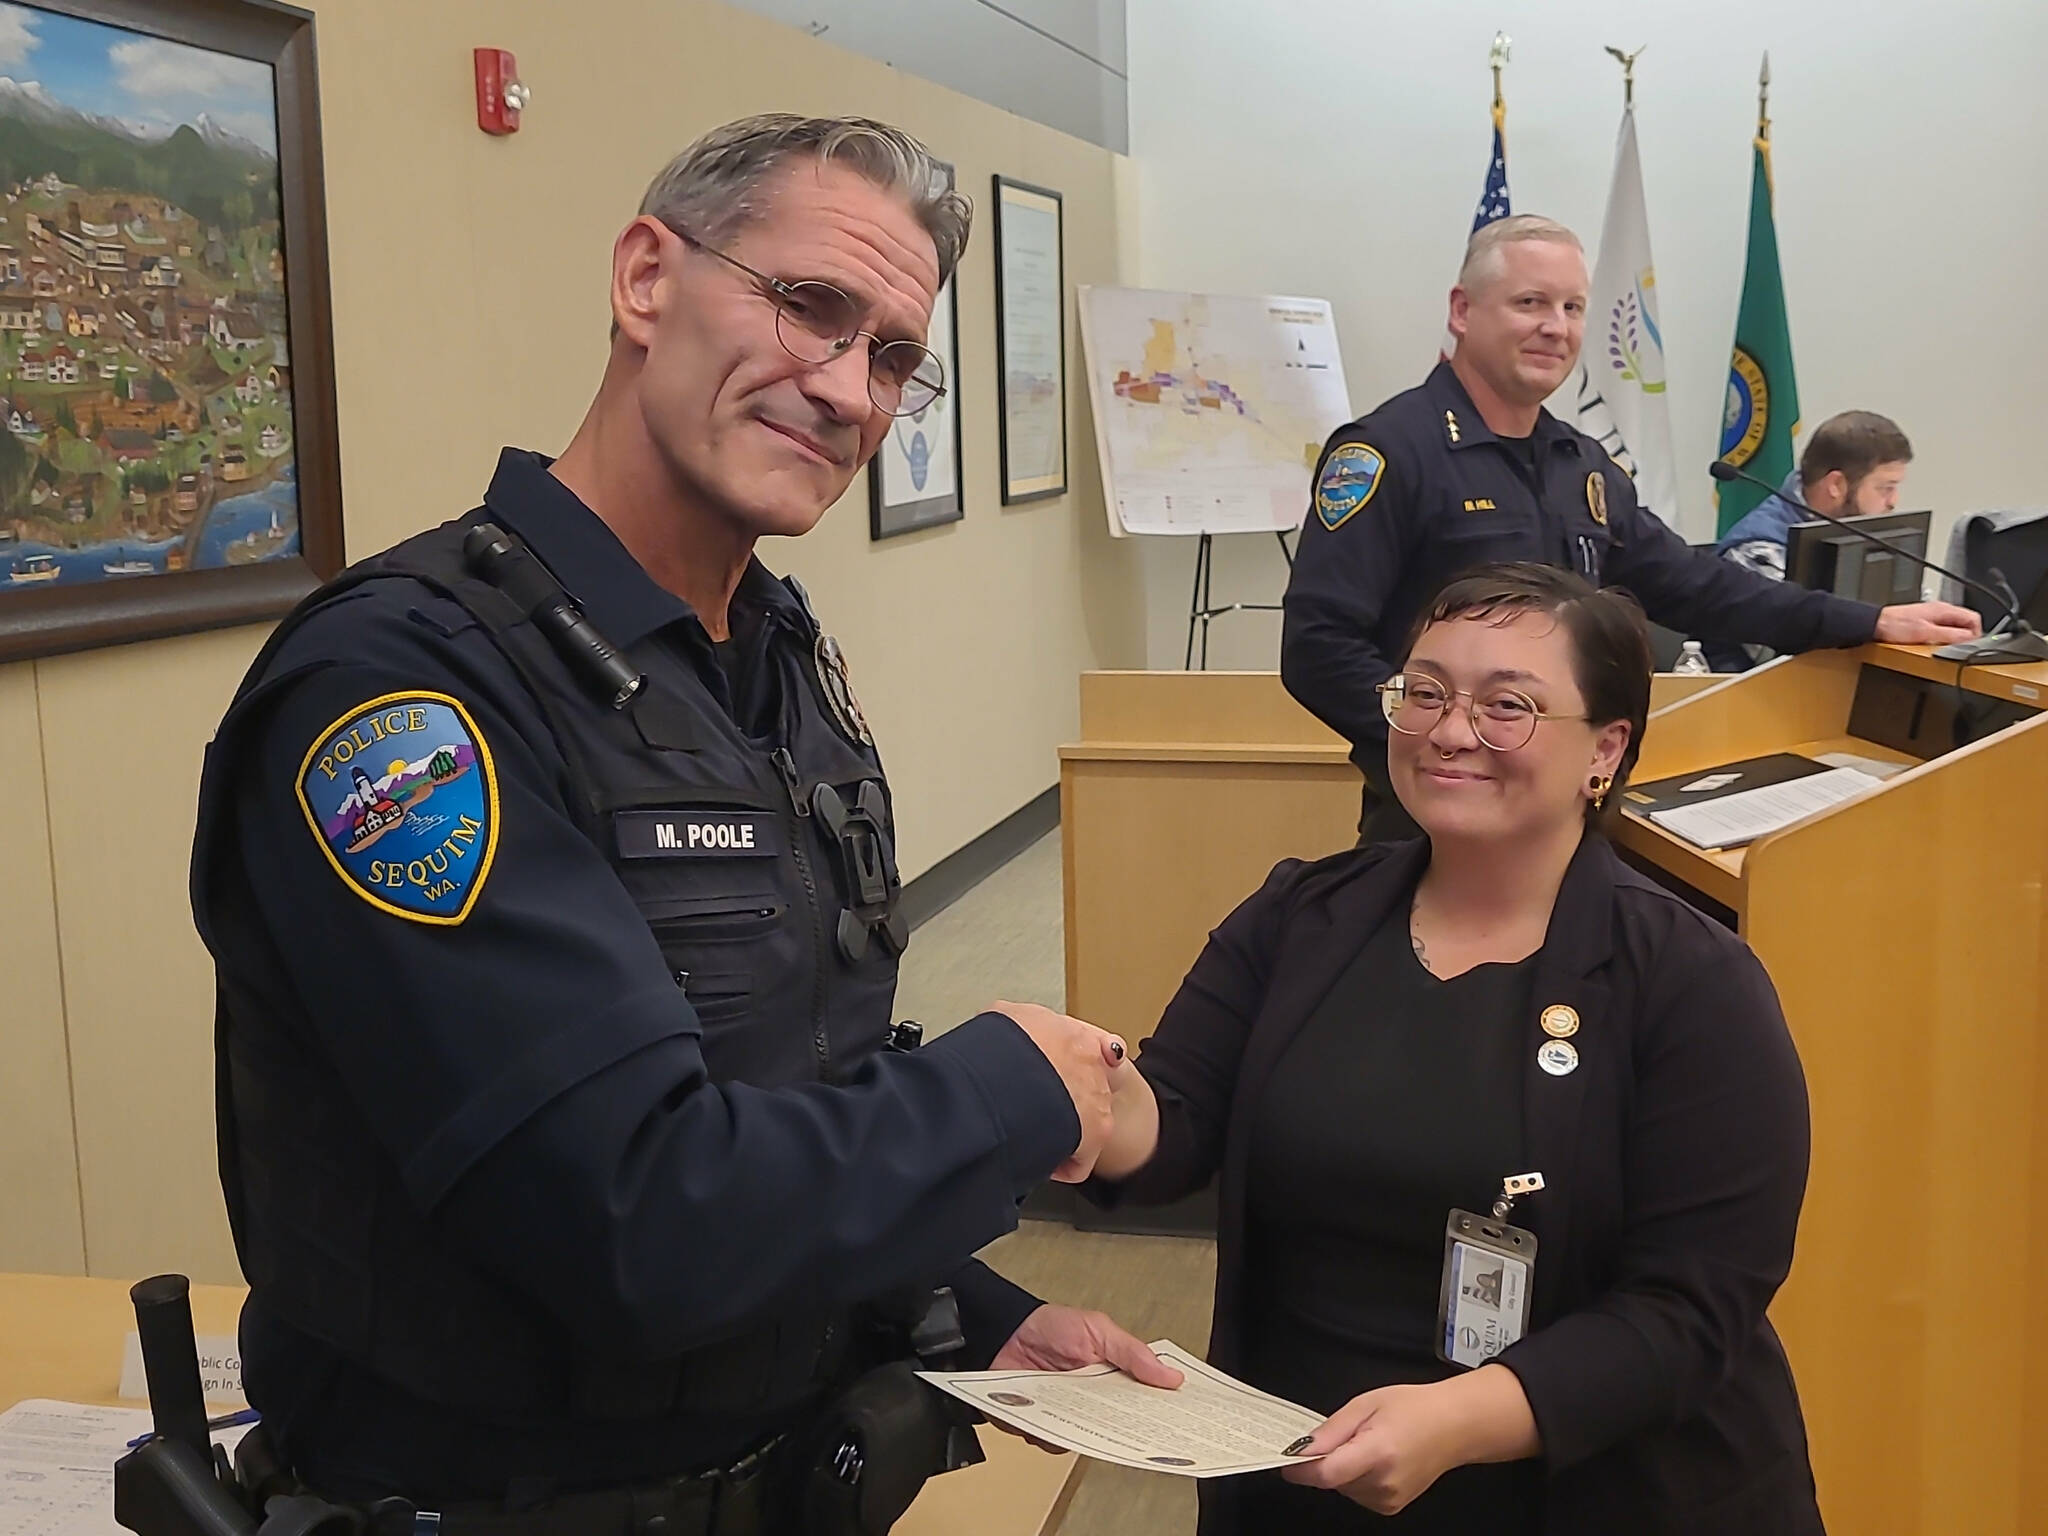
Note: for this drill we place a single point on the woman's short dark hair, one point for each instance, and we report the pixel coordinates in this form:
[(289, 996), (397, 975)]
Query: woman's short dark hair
[(1610, 639)]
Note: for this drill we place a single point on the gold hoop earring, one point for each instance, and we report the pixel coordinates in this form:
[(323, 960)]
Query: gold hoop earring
[(1600, 784)]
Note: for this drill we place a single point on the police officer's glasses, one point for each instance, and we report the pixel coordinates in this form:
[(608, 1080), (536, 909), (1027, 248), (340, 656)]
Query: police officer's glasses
[(1501, 718), (816, 322)]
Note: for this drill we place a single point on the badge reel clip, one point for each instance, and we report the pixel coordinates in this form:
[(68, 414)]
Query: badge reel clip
[(1483, 1304)]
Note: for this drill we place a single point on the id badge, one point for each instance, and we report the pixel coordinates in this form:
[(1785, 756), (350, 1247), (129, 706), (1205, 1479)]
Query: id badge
[(1483, 1305)]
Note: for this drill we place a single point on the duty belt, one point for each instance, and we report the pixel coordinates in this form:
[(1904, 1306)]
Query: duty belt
[(729, 1501)]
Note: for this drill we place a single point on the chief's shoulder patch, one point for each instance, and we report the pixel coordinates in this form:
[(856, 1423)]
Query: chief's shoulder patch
[(403, 797), (1349, 477)]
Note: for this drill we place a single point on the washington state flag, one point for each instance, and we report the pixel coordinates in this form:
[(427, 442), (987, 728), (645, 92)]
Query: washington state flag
[(1762, 413)]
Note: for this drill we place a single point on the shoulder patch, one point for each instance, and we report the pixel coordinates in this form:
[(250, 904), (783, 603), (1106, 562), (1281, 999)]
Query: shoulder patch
[(403, 797), (1350, 475)]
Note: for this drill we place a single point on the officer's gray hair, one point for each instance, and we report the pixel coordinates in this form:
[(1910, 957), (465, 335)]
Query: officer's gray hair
[(713, 189), (1486, 253)]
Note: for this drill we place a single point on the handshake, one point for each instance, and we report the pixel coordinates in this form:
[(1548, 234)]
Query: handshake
[(1119, 1118)]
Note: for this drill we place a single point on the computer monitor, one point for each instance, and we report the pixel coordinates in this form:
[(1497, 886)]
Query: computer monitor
[(2011, 546), (1829, 558)]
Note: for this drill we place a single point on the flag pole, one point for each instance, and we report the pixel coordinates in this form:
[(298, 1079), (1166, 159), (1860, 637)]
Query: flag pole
[(1628, 74), (1497, 56), (1763, 116)]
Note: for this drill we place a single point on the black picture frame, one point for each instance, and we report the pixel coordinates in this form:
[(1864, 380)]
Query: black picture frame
[(886, 521), (66, 617), (1041, 485)]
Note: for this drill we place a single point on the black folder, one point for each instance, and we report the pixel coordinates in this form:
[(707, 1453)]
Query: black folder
[(1713, 783)]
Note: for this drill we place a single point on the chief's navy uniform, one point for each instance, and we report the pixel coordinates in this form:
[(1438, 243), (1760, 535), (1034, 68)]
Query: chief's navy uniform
[(1421, 490), (560, 1144)]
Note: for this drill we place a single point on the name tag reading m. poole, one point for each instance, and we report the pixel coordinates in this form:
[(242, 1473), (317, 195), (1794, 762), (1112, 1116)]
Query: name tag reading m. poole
[(696, 834)]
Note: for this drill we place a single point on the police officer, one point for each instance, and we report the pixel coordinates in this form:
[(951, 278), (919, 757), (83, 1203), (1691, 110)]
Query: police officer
[(1470, 468), (547, 865)]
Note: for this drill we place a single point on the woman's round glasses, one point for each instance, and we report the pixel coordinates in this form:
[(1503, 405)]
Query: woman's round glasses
[(816, 322), (1501, 718)]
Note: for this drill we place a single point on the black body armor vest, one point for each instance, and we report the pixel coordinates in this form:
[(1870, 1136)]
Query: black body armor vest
[(788, 957)]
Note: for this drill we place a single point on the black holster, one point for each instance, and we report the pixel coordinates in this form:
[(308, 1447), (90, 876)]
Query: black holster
[(876, 1445)]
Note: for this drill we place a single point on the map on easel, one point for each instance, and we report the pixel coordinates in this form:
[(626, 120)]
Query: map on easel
[(1210, 409)]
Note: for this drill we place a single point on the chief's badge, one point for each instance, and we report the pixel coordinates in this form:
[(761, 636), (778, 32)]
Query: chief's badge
[(1350, 475), (401, 793), (1596, 497), (838, 689)]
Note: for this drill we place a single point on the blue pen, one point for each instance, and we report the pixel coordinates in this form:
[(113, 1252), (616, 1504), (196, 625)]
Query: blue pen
[(233, 1420)]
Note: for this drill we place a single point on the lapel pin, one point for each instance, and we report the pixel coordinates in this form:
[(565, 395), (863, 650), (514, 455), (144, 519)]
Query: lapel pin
[(1559, 1058), (1560, 1021)]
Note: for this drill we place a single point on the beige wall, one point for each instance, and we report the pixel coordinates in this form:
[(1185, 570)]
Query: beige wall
[(469, 307)]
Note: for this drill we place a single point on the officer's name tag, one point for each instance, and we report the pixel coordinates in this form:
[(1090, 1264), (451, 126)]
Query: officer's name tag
[(696, 834), (1484, 1305)]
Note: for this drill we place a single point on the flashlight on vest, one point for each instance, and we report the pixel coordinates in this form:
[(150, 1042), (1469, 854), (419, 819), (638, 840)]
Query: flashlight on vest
[(512, 570)]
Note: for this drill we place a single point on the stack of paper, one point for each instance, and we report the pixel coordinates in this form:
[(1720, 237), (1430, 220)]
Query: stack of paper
[(57, 1466), (1743, 817)]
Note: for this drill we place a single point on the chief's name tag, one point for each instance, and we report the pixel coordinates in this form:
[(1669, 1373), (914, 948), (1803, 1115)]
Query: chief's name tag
[(1484, 1306), (697, 834)]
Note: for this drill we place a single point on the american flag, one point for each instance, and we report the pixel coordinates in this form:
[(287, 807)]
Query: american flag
[(1493, 202)]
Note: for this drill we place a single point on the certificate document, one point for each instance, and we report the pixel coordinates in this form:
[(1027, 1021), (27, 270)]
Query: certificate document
[(1031, 341), (1212, 1425)]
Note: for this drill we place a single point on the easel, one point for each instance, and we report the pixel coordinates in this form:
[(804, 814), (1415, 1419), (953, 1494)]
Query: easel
[(1200, 608)]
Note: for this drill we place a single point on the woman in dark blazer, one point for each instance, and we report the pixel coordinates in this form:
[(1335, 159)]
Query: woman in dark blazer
[(1378, 1038)]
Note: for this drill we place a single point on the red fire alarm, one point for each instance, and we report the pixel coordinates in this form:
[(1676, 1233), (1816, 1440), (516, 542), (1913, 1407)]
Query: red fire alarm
[(500, 94)]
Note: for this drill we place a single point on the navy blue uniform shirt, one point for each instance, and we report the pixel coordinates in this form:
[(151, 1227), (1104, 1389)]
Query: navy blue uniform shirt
[(1420, 491), (532, 1074)]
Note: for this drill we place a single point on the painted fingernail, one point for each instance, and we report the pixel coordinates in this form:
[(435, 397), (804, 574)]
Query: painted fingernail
[(1299, 1446), (1116, 1049)]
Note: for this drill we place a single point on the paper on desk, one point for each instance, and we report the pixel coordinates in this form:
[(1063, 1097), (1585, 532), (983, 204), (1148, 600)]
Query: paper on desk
[(1210, 1426), (1741, 818), (1876, 767), (57, 1466)]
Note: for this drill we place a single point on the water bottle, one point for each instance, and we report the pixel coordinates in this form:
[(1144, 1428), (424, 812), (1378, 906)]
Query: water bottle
[(1692, 661)]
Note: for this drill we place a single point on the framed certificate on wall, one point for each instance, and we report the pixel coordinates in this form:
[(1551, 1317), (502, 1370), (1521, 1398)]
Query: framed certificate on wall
[(914, 480), (1031, 341)]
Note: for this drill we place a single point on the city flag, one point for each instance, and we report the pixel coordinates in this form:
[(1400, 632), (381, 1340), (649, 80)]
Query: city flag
[(1620, 392), (1762, 413)]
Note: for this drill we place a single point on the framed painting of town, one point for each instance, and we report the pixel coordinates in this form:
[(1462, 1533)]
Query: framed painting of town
[(167, 444)]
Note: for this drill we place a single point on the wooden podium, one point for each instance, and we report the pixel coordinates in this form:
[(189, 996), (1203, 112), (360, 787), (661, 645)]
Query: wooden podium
[(1904, 930)]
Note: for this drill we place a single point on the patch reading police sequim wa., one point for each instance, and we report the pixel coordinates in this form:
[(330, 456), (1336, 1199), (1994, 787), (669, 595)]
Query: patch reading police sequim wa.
[(402, 795), (1350, 475)]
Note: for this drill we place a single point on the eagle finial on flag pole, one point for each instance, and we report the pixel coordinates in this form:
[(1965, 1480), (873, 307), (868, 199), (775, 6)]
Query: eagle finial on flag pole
[(1497, 56), (1628, 72)]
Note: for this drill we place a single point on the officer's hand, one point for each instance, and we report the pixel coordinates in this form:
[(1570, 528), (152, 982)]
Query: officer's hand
[(1084, 1057), (1927, 624), (1066, 1338)]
